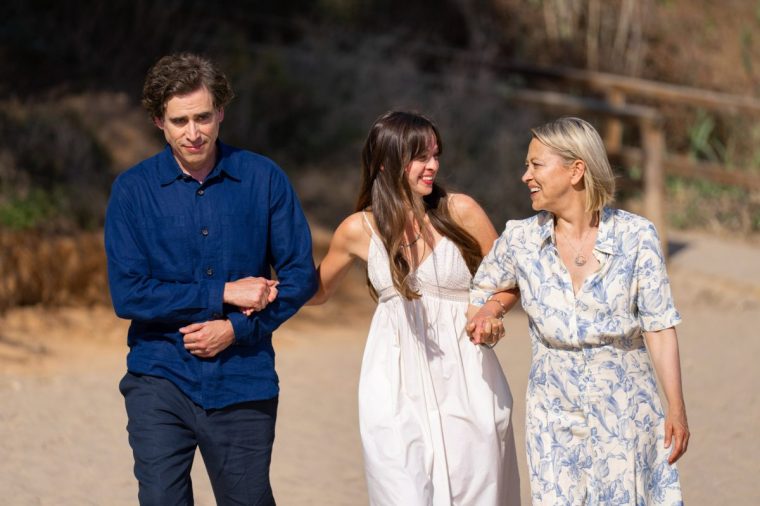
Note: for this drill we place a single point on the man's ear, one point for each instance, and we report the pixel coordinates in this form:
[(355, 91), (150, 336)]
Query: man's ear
[(221, 114), (159, 122)]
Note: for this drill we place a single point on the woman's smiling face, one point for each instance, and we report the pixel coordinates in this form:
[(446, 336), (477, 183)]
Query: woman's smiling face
[(548, 177), (421, 171)]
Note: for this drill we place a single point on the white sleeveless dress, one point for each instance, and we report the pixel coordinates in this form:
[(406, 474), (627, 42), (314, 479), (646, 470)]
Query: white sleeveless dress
[(434, 409)]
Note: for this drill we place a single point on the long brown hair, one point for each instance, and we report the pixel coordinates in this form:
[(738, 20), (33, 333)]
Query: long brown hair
[(394, 141)]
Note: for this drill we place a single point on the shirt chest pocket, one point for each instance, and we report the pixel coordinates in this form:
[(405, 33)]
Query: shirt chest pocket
[(170, 246), (245, 239)]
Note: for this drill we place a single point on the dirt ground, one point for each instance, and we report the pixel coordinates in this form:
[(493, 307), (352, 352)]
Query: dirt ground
[(62, 422)]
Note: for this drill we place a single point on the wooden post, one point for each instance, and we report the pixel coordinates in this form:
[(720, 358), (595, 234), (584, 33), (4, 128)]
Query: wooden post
[(653, 143), (613, 131)]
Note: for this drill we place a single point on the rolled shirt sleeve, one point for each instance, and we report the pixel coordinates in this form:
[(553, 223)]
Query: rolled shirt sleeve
[(497, 272), (654, 298)]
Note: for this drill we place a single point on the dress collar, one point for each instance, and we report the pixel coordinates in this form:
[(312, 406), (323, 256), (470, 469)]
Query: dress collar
[(605, 237)]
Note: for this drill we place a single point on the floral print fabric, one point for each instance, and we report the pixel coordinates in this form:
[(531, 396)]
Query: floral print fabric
[(594, 422)]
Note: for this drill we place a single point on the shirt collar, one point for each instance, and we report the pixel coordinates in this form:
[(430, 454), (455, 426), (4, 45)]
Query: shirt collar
[(605, 237), (169, 170), (546, 228)]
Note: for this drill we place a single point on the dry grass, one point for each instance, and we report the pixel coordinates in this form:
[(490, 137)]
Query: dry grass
[(58, 270)]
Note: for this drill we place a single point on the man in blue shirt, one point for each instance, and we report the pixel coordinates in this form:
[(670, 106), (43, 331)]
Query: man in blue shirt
[(192, 236)]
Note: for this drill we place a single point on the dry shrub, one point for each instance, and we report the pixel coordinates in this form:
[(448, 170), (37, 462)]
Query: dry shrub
[(58, 270)]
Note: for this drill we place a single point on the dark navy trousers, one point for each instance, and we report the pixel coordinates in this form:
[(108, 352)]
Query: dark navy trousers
[(165, 427)]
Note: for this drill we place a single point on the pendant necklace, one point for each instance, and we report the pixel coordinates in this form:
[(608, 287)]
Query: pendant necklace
[(580, 258)]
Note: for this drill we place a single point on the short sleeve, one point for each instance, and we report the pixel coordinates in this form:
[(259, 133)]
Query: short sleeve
[(654, 298), (497, 272)]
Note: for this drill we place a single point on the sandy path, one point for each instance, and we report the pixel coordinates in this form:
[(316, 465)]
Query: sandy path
[(63, 442)]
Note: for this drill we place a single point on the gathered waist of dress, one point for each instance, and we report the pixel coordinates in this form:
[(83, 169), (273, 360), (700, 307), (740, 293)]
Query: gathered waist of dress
[(610, 363), (426, 290), (614, 350)]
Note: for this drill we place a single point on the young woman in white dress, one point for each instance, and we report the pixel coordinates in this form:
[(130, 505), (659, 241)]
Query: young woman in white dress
[(434, 408)]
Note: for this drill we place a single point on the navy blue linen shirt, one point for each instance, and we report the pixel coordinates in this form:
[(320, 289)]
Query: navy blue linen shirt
[(172, 243)]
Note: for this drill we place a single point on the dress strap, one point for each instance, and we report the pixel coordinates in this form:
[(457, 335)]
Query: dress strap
[(366, 220)]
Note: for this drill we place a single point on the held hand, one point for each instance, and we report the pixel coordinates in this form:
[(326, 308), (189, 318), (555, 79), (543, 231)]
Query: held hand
[(485, 328), (208, 339), (252, 293), (248, 311), (677, 432)]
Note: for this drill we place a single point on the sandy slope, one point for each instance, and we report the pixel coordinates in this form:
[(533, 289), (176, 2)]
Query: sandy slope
[(62, 437)]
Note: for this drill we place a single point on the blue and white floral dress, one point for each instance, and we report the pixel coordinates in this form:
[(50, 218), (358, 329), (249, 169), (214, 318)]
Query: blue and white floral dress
[(594, 422)]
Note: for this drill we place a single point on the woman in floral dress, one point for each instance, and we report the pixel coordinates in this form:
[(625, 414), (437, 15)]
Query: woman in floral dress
[(592, 280)]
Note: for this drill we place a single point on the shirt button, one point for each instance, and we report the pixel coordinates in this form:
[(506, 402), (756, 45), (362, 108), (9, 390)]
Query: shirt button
[(200, 192), (204, 231), (210, 271)]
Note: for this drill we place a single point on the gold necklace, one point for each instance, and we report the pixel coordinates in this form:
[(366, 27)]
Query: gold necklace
[(580, 258)]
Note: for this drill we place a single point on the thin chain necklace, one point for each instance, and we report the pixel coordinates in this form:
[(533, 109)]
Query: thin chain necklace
[(412, 243), (580, 258)]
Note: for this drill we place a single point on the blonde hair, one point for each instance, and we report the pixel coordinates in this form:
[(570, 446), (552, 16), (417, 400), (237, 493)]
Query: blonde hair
[(575, 139)]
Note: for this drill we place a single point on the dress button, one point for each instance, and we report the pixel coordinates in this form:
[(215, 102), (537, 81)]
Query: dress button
[(204, 231), (200, 192), (210, 271)]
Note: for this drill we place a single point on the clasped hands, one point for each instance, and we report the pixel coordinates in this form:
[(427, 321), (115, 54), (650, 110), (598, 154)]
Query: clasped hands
[(250, 294), (207, 339), (485, 327)]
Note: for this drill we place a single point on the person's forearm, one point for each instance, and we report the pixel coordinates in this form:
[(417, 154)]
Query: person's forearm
[(140, 298), (497, 305), (291, 296), (663, 348), (324, 290), (320, 296)]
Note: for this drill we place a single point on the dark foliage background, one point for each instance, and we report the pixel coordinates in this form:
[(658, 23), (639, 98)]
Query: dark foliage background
[(310, 77)]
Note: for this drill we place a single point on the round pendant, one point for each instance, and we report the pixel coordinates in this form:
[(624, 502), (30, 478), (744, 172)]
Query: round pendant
[(580, 260)]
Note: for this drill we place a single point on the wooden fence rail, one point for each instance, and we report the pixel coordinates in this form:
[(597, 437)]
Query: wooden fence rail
[(652, 156)]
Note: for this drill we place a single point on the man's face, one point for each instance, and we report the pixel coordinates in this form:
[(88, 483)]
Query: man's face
[(191, 127)]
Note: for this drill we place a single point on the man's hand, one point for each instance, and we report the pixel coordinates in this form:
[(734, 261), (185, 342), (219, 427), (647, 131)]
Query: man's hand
[(208, 339), (248, 311), (250, 293)]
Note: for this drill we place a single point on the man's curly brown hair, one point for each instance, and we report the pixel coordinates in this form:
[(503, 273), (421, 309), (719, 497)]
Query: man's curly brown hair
[(179, 74)]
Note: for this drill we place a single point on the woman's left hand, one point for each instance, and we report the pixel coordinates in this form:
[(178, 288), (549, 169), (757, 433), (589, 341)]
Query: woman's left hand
[(485, 328), (676, 433)]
